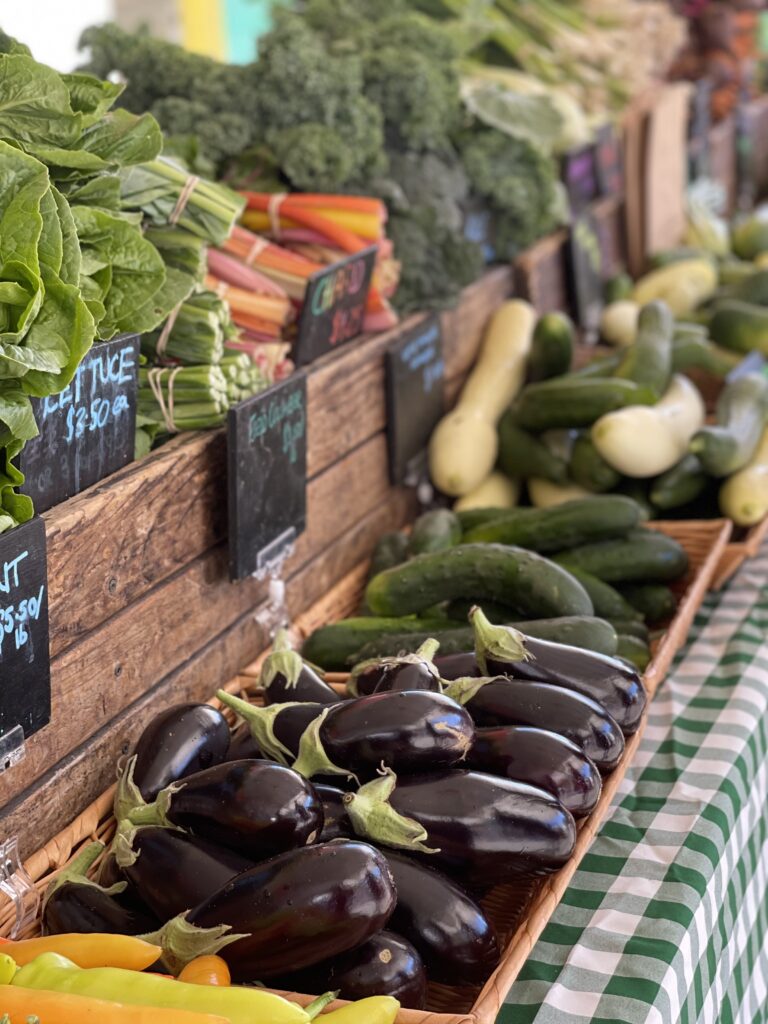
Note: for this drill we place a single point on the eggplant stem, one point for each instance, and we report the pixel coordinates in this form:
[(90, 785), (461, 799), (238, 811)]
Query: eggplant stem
[(182, 942), (77, 871), (428, 649), (503, 642), (373, 816), (317, 1006), (260, 722), (286, 663), (464, 689), (312, 759)]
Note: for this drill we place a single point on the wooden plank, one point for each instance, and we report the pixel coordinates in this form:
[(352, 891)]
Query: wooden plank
[(541, 274), (722, 159), (99, 677), (42, 810), (609, 224)]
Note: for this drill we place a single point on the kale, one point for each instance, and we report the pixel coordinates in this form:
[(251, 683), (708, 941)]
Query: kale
[(219, 136), (427, 180)]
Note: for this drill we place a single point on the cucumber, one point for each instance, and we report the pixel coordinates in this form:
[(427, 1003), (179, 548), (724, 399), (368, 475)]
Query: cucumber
[(562, 526), (733, 271), (391, 549), (617, 288), (588, 467), (458, 610), (576, 401), (694, 351), (522, 455), (533, 585), (740, 326), (655, 602), (329, 647), (606, 600), (637, 490), (551, 347), (742, 410), (649, 361), (753, 288), (603, 366), (679, 485), (631, 627), (643, 555), (635, 651), (589, 633), (472, 517), (434, 531)]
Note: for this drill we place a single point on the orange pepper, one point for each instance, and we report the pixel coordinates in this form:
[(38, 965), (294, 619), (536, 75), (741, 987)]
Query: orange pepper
[(206, 970), (62, 1008), (91, 950)]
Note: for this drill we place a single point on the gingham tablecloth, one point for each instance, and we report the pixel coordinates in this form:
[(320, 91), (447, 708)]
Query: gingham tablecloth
[(666, 920)]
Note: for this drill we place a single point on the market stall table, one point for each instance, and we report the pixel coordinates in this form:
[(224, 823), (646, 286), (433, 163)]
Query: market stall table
[(666, 920)]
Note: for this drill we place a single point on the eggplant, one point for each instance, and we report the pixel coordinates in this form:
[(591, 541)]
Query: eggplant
[(454, 937), (258, 808), (615, 685), (405, 672), (73, 903), (504, 701), (385, 965), (540, 758), (242, 745), (409, 731), (457, 666), (173, 871), (277, 730), (486, 829), (285, 676), (182, 740), (336, 824), (293, 911)]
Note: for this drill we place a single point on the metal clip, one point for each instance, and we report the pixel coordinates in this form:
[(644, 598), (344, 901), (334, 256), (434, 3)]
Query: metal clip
[(12, 748), (417, 476), (18, 887)]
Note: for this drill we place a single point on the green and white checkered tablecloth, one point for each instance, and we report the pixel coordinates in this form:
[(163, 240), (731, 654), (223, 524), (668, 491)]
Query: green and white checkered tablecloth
[(666, 920)]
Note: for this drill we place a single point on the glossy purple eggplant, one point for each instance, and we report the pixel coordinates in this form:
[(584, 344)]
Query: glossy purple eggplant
[(336, 824), (243, 746), (173, 871), (182, 740), (408, 731), (539, 758), (298, 909), (504, 701), (454, 937), (293, 721), (485, 829), (285, 676), (385, 965), (457, 666), (276, 730), (615, 685), (404, 672), (258, 808)]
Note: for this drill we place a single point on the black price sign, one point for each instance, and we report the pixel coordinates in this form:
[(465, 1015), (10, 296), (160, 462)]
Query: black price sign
[(88, 430), (267, 459), (334, 306), (586, 263), (580, 177), (610, 165), (414, 372), (25, 667)]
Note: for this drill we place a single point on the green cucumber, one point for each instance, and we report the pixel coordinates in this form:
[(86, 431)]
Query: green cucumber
[(562, 526), (521, 579), (740, 326), (641, 556), (576, 401), (655, 602), (732, 271), (638, 490), (694, 351), (471, 517), (753, 288), (649, 361), (434, 531), (551, 347), (635, 651), (632, 627), (742, 410), (679, 485), (617, 288), (330, 646), (588, 467), (606, 600), (522, 455), (458, 610), (602, 366), (391, 549)]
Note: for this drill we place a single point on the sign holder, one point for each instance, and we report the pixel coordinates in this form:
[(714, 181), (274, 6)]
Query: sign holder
[(16, 884)]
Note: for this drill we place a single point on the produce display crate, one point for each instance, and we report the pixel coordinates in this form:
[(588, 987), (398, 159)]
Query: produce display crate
[(519, 911)]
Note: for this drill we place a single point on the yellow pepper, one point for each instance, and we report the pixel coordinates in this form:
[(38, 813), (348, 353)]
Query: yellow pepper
[(92, 950), (375, 1010), (62, 1008), (206, 970)]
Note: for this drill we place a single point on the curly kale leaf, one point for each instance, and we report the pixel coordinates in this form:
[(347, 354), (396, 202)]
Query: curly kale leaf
[(219, 136)]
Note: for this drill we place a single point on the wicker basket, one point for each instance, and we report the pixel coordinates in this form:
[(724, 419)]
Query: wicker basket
[(518, 911)]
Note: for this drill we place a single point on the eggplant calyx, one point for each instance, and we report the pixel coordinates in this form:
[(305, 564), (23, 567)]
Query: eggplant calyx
[(182, 941), (261, 723), (128, 796), (423, 656), (317, 1006), (373, 816), (77, 871), (501, 642), (463, 690), (312, 759), (283, 661), (156, 813)]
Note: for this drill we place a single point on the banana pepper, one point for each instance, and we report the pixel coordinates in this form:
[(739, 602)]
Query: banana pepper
[(374, 1010), (92, 950), (239, 1005), (19, 1004)]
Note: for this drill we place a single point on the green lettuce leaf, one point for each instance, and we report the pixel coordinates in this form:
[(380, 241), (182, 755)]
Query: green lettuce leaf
[(34, 104), (90, 96), (64, 323)]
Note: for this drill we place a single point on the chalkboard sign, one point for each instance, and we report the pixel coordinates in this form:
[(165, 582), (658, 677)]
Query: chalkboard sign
[(610, 165), (334, 306), (580, 177), (88, 430), (267, 460), (414, 374), (586, 266), (25, 668)]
